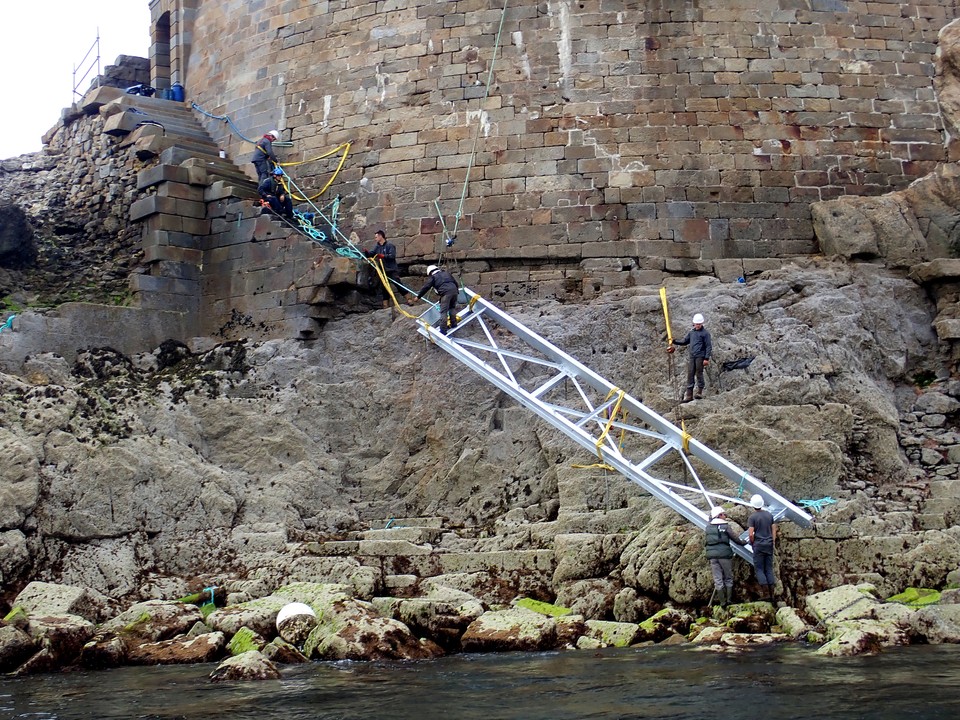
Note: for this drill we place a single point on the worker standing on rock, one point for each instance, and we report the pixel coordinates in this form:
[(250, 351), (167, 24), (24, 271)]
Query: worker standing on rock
[(763, 535), (264, 159), (447, 288), (701, 348), (716, 540)]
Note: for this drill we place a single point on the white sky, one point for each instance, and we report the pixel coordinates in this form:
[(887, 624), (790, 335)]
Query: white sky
[(41, 42)]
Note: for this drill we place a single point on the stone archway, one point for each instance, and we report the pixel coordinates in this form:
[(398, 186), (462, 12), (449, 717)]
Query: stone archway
[(171, 23), (160, 51)]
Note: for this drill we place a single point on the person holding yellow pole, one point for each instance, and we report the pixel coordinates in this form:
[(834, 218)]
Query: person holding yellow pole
[(701, 348)]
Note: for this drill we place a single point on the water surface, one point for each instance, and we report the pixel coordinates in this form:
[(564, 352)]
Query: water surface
[(773, 683)]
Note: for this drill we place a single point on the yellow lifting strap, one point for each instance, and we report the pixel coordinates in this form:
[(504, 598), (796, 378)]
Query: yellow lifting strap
[(612, 416), (343, 148), (382, 274)]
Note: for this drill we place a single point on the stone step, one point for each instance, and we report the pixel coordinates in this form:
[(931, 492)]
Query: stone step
[(417, 535), (213, 164), (220, 170)]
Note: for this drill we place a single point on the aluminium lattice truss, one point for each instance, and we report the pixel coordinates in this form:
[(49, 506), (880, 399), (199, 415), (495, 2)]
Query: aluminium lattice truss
[(627, 436)]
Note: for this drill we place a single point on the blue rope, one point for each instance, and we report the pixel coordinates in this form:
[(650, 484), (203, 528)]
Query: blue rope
[(234, 128), (209, 590), (8, 325), (816, 505), (225, 119)]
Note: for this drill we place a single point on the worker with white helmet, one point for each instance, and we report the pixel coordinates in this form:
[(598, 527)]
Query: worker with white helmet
[(447, 288), (763, 534), (701, 348), (716, 541), (264, 159)]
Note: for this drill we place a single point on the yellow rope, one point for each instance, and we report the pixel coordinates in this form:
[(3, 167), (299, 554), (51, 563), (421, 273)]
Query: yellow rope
[(345, 147), (606, 431)]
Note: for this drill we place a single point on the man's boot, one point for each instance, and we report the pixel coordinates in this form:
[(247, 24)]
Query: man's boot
[(698, 394), (687, 396), (725, 597)]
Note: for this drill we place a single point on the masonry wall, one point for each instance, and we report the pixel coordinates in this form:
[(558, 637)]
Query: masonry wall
[(620, 140)]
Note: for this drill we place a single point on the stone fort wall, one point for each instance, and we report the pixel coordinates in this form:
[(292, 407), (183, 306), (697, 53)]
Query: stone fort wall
[(620, 140)]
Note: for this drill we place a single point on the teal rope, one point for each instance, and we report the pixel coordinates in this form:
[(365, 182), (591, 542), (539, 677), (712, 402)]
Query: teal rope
[(8, 325), (816, 505), (740, 489)]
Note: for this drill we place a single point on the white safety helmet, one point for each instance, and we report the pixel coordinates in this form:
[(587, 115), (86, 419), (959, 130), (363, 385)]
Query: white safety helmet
[(698, 319), (275, 134), (716, 512), (757, 501), (431, 269)]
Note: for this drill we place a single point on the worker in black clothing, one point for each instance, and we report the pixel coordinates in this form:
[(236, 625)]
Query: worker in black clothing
[(447, 288), (386, 252), (264, 159), (701, 348), (275, 195)]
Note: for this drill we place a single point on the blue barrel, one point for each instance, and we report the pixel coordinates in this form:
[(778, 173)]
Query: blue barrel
[(176, 93)]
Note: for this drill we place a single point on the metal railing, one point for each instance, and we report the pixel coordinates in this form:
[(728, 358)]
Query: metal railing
[(94, 63)]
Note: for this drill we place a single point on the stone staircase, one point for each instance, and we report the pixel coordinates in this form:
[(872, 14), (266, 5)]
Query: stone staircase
[(406, 552), (209, 253), (150, 126)]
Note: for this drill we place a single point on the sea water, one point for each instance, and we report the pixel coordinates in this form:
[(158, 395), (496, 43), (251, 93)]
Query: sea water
[(769, 683)]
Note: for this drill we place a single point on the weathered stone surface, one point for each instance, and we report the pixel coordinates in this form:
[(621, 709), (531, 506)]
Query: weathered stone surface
[(351, 630), (612, 634), (40, 598), (442, 615), (663, 624), (791, 622), (61, 638), (178, 651), (280, 651), (104, 650), (936, 624), (15, 647), (510, 629), (250, 665), (153, 620)]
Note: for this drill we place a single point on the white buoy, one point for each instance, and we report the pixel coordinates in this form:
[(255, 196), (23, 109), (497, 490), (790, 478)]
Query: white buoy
[(295, 621)]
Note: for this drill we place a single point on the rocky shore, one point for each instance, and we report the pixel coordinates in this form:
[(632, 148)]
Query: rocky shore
[(261, 475), (57, 627)]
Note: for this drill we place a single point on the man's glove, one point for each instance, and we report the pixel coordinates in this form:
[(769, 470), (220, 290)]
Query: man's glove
[(706, 361), (379, 256), (671, 349)]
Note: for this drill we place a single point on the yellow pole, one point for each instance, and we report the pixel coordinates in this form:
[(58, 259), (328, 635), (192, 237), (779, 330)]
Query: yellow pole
[(666, 314)]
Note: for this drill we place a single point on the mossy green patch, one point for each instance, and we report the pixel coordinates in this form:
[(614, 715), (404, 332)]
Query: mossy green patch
[(650, 624), (243, 641), (916, 597), (144, 618), (14, 614), (542, 607)]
